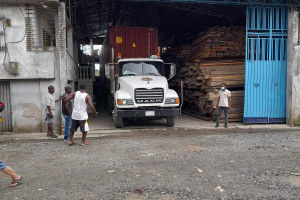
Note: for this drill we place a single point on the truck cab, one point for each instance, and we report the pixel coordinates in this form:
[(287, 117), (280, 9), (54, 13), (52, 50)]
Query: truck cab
[(140, 90)]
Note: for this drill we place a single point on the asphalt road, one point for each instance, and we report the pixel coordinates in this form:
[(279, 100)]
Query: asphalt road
[(159, 164)]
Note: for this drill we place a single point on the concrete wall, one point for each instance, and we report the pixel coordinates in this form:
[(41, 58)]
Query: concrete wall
[(72, 54), (71, 71), (37, 70), (29, 106), (293, 68), (70, 42), (32, 65)]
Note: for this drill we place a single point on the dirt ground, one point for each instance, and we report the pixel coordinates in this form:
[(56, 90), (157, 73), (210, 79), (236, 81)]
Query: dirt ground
[(165, 164)]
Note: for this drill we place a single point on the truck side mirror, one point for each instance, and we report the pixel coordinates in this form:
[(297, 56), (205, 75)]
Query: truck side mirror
[(107, 71), (172, 71)]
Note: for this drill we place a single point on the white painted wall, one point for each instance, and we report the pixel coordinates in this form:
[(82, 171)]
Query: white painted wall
[(71, 68), (29, 105), (37, 70), (293, 68), (32, 65), (70, 47)]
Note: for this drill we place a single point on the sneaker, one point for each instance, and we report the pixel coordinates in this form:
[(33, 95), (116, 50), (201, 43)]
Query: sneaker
[(226, 126), (54, 136), (66, 140), (217, 126)]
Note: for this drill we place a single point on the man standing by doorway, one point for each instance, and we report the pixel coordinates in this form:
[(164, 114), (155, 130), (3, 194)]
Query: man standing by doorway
[(50, 110), (224, 103), (79, 114), (67, 108)]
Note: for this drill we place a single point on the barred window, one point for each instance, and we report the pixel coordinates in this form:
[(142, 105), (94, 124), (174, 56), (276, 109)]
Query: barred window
[(40, 28)]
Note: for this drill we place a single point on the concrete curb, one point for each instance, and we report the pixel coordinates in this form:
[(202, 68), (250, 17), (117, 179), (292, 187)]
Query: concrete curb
[(108, 133)]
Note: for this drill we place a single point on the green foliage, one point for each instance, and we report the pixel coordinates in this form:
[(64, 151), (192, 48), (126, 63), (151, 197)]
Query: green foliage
[(97, 72)]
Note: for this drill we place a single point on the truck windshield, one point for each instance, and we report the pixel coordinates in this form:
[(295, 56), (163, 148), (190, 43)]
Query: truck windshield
[(149, 68)]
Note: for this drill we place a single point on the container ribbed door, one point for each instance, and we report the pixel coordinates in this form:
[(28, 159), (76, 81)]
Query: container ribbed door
[(265, 85)]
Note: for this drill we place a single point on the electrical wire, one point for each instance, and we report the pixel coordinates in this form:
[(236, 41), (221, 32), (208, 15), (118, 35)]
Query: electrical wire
[(25, 24), (5, 47), (7, 56)]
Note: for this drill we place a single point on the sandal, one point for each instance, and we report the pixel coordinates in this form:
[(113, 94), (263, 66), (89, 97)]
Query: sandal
[(84, 144), (71, 143), (16, 182)]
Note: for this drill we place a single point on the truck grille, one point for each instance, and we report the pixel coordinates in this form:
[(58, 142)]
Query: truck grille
[(143, 95)]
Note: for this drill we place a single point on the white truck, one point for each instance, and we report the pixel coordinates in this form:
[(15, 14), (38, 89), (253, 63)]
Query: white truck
[(140, 90)]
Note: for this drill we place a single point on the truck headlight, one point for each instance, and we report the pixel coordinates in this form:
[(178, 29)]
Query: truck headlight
[(124, 102), (172, 101)]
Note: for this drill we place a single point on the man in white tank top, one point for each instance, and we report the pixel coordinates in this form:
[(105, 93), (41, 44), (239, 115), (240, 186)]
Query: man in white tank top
[(79, 114)]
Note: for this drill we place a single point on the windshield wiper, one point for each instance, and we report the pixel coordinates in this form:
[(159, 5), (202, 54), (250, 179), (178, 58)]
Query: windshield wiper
[(129, 74), (150, 73)]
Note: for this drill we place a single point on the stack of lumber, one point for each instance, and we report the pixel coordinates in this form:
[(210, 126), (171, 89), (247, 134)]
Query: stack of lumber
[(185, 52), (214, 73), (213, 58), (202, 81), (219, 42), (189, 75)]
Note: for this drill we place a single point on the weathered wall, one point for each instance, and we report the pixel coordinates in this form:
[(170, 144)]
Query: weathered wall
[(37, 70), (26, 111), (32, 64), (71, 55), (71, 71), (293, 68), (70, 42), (29, 106)]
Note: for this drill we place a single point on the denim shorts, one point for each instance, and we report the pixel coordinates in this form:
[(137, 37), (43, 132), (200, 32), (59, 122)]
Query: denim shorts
[(48, 119), (2, 165)]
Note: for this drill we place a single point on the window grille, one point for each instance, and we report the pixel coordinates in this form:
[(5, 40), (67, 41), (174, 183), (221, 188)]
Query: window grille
[(266, 34), (40, 28)]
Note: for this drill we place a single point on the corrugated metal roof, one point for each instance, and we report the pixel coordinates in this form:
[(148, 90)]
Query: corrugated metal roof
[(176, 22)]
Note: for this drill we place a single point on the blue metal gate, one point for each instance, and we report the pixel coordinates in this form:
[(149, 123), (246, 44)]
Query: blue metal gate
[(266, 54)]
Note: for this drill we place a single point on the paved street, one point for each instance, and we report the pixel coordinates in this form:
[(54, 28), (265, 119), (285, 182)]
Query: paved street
[(166, 164)]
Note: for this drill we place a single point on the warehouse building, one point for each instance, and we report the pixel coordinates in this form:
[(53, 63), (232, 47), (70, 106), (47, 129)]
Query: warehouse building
[(253, 45)]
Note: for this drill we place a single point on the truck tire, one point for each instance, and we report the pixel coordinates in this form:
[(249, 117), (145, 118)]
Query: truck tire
[(170, 121), (119, 123)]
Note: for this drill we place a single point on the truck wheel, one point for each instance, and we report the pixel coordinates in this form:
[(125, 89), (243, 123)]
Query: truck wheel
[(118, 121), (170, 121)]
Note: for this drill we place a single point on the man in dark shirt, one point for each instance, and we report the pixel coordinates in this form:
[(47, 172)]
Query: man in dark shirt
[(67, 111)]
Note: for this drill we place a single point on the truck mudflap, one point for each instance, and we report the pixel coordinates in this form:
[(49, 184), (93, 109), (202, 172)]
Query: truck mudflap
[(135, 113)]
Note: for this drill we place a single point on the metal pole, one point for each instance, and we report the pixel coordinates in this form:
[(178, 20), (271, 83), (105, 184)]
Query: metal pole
[(181, 85)]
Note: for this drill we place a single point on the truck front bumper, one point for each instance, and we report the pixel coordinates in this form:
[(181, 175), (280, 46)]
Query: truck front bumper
[(157, 113)]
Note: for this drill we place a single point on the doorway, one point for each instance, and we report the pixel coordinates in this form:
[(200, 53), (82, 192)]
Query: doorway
[(266, 63)]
